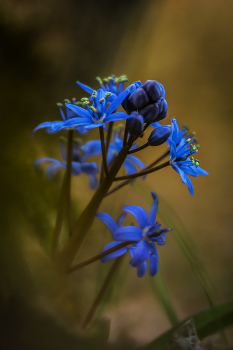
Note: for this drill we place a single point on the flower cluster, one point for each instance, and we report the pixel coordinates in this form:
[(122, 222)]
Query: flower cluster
[(144, 106)]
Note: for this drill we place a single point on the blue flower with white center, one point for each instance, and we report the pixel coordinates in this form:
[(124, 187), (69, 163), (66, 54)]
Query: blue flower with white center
[(144, 236), (131, 162), (55, 126), (111, 84), (79, 156), (98, 114), (181, 148)]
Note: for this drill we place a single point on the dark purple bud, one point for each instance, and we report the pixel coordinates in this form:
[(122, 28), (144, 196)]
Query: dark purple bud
[(162, 90), (139, 98), (135, 124), (126, 104), (163, 110), (153, 90), (150, 113), (159, 135)]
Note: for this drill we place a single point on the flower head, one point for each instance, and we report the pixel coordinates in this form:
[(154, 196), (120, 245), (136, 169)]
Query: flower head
[(99, 113), (148, 99), (181, 149), (80, 153), (145, 237), (55, 126)]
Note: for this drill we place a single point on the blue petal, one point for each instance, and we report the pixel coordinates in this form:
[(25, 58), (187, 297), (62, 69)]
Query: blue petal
[(129, 167), (141, 254), (79, 110), (76, 168), (115, 254), (184, 177), (136, 161), (95, 125), (202, 171), (121, 219), (128, 233), (44, 125), (85, 88), (153, 264), (139, 214), (93, 181), (156, 125), (141, 270), (91, 148), (116, 103), (41, 160), (108, 221), (52, 169), (74, 122), (154, 208), (116, 116), (89, 168)]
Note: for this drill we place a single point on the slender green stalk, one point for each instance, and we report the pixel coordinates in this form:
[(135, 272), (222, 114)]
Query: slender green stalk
[(139, 148), (99, 256), (68, 178), (102, 292), (104, 166), (85, 220), (144, 172), (59, 218), (116, 188), (125, 135), (110, 127)]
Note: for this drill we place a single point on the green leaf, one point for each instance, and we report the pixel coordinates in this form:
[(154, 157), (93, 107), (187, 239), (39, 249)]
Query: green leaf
[(207, 322)]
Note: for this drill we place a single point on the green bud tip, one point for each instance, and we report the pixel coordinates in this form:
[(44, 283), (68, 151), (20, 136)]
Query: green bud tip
[(84, 99), (197, 164), (110, 78), (188, 140), (59, 104), (123, 80), (66, 100), (94, 94), (105, 80), (78, 103), (186, 128), (101, 100), (86, 103), (99, 80)]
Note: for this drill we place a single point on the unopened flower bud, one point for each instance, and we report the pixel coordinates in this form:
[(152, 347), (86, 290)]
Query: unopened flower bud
[(150, 113), (153, 90), (159, 135), (135, 124), (127, 104), (139, 98)]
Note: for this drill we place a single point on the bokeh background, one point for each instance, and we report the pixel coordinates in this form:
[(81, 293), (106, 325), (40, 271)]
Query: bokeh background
[(45, 47)]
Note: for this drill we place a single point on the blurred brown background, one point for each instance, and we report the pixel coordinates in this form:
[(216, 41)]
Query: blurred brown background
[(45, 47)]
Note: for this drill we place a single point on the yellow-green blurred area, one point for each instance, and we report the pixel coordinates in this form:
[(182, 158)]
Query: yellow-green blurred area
[(46, 46)]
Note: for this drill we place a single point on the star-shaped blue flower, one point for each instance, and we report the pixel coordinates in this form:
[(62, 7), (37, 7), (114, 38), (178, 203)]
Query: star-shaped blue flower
[(78, 166), (99, 113), (52, 127), (181, 148), (144, 236)]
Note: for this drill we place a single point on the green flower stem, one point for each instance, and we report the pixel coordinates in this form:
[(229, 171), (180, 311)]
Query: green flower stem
[(139, 148), (59, 218), (144, 172), (102, 292), (104, 160), (68, 179), (125, 135), (110, 127), (99, 256), (85, 220), (126, 182)]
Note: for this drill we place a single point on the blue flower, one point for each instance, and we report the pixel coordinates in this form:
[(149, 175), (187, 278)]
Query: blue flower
[(55, 126), (131, 162), (144, 236), (98, 114), (111, 84), (78, 166), (181, 148)]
